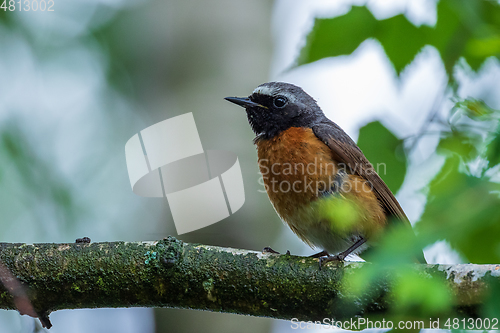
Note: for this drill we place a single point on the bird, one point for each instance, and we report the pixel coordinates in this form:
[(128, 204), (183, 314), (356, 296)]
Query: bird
[(318, 180)]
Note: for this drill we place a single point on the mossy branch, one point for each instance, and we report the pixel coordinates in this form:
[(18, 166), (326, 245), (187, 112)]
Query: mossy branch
[(170, 273)]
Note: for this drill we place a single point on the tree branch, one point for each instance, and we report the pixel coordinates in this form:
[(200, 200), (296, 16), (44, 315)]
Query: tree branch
[(170, 273)]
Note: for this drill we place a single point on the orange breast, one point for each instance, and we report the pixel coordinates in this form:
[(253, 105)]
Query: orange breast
[(295, 165)]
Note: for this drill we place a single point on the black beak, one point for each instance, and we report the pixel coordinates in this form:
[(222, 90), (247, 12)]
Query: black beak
[(243, 101)]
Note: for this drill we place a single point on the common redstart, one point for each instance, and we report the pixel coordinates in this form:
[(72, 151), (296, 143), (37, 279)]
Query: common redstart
[(318, 180)]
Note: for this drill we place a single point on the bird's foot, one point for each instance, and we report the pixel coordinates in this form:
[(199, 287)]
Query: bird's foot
[(338, 257), (267, 249), (342, 255)]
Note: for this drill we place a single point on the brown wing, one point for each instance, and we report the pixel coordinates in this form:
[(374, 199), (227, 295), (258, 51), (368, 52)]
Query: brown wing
[(345, 151)]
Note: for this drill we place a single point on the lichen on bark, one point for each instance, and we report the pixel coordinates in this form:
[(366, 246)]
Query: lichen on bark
[(171, 273)]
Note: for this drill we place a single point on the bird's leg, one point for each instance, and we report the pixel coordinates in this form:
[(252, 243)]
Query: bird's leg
[(342, 255), (319, 254), (353, 247)]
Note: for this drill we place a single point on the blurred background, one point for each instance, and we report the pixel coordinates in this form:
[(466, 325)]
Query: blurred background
[(76, 83)]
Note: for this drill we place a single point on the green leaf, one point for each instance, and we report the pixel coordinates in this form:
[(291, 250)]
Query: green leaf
[(469, 143), (415, 294), (463, 210), (461, 143), (493, 152), (384, 152), (464, 28), (476, 109)]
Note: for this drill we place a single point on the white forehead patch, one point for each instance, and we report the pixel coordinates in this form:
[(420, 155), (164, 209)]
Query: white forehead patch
[(264, 90), (274, 91)]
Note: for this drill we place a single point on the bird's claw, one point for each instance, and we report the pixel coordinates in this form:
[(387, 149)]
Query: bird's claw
[(338, 257), (267, 249)]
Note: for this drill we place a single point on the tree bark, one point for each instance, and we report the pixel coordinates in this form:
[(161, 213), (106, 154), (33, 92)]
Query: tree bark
[(170, 273)]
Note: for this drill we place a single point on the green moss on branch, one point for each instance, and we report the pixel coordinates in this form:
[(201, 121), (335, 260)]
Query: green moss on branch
[(170, 273)]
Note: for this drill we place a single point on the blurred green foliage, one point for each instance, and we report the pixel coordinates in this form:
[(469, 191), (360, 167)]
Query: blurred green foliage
[(385, 153), (493, 153), (463, 203), (44, 185), (462, 208), (464, 28)]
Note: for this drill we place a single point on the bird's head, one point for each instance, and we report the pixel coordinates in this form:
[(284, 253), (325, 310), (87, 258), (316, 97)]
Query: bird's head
[(274, 107)]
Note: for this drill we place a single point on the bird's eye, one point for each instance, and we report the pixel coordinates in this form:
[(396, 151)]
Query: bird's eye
[(280, 101)]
